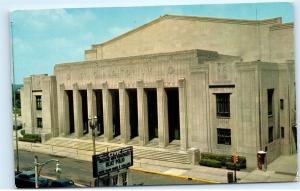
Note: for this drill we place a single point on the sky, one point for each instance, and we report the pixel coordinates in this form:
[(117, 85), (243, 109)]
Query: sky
[(43, 38)]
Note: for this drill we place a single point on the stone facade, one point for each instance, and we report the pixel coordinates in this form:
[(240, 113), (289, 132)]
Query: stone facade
[(217, 85)]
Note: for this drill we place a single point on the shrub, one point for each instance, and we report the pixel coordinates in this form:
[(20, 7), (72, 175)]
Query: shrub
[(30, 138), (230, 166), (242, 162), (211, 163), (18, 127), (23, 132), (223, 159)]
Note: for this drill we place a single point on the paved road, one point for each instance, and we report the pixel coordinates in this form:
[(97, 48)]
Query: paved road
[(81, 171)]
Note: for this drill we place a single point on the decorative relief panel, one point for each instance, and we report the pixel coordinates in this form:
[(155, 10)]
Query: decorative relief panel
[(221, 73), (170, 69)]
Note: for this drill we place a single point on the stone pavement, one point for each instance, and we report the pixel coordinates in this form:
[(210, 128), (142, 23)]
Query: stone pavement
[(283, 169)]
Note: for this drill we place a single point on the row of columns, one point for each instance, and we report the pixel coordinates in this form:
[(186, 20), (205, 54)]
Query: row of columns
[(143, 132)]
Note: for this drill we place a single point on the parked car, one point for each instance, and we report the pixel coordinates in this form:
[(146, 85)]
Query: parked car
[(63, 182), (26, 179)]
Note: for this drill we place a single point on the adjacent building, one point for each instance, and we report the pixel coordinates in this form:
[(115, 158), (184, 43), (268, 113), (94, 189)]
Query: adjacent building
[(218, 85)]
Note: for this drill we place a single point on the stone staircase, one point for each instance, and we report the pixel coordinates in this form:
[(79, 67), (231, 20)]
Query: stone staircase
[(83, 149)]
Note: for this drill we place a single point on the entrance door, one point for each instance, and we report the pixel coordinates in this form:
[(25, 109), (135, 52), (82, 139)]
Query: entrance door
[(152, 113), (173, 113)]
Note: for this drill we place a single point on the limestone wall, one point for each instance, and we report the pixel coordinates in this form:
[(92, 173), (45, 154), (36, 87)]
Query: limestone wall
[(270, 80), (282, 43), (248, 39), (45, 86)]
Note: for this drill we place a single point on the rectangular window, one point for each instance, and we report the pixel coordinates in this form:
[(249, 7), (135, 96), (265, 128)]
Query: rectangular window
[(223, 105), (270, 101), (281, 104), (38, 101), (270, 134), (224, 136), (282, 132), (39, 122), (278, 132)]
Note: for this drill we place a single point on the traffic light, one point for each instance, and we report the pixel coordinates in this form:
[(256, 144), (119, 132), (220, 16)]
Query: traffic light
[(235, 158)]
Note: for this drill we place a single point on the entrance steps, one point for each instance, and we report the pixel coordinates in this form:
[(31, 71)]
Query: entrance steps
[(83, 149)]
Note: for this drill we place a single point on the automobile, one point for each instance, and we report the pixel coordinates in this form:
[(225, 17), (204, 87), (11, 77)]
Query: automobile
[(63, 182), (26, 179)]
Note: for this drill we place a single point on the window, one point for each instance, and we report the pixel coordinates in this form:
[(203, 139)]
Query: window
[(223, 105), (282, 132), (270, 134), (281, 104), (270, 101), (39, 122), (224, 136), (278, 132), (38, 101)]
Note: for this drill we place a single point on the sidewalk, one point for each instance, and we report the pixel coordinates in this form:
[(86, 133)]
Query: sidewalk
[(283, 169)]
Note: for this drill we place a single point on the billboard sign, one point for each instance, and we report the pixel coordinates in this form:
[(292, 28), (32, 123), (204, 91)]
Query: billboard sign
[(112, 161)]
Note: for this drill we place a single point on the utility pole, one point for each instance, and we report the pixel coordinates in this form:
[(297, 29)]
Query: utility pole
[(14, 97)]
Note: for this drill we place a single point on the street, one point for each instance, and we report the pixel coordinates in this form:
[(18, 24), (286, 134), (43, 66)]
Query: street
[(81, 171)]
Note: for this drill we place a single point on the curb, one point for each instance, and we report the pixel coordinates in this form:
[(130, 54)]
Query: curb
[(177, 176)]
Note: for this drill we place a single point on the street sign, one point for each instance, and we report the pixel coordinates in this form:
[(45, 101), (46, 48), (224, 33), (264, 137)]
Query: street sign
[(112, 161)]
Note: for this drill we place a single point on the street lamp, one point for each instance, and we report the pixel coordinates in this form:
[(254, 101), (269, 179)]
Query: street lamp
[(93, 122), (41, 165)]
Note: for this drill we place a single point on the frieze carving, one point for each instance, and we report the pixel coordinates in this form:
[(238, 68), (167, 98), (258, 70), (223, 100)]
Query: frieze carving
[(171, 70), (222, 71)]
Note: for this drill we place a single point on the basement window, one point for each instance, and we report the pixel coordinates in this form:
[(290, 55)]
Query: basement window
[(224, 136), (39, 122)]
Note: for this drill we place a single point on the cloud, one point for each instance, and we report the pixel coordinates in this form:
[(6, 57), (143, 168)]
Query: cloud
[(43, 20), (118, 30)]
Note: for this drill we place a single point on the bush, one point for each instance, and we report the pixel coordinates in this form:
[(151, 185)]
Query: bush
[(211, 163), (242, 162), (31, 138), (230, 166), (223, 159), (18, 127), (23, 132)]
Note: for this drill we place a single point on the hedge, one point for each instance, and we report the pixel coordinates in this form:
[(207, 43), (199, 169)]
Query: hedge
[(230, 166), (211, 163), (30, 138), (22, 132), (223, 159), (18, 127)]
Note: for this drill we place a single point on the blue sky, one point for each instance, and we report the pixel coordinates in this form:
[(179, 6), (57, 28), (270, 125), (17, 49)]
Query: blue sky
[(43, 38)]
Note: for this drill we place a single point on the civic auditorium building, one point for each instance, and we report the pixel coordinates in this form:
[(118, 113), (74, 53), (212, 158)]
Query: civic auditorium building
[(217, 85)]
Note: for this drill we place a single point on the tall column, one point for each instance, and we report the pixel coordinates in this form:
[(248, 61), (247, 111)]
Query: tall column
[(91, 100), (64, 115), (182, 113), (124, 113), (142, 113), (162, 114), (78, 123), (107, 113)]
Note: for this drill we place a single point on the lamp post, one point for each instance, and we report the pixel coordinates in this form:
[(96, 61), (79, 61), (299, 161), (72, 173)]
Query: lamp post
[(41, 165), (93, 122)]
